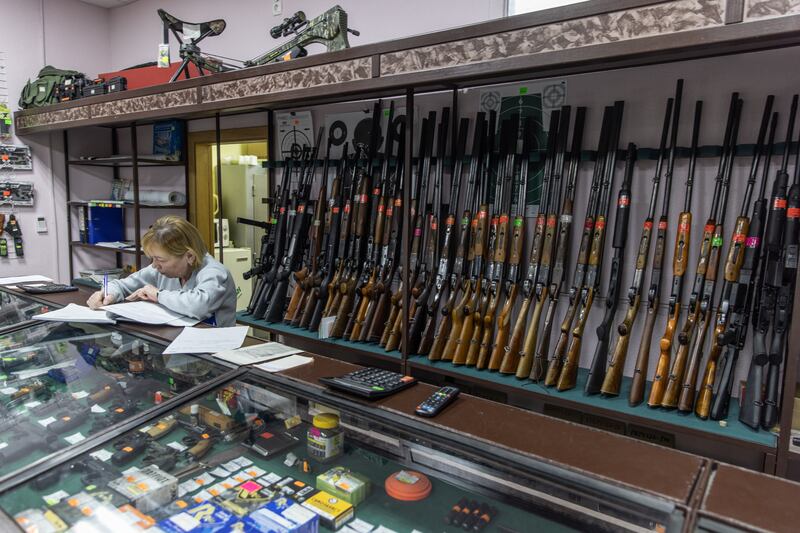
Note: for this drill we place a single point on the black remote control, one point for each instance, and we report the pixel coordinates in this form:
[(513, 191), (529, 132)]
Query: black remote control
[(437, 401)]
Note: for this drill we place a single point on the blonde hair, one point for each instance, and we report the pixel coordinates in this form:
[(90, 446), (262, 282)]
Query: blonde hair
[(177, 236)]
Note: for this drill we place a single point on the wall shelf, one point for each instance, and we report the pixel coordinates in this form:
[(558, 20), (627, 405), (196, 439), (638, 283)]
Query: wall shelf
[(131, 251), (128, 205), (125, 162)]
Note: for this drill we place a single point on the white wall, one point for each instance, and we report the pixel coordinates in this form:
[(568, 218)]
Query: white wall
[(66, 34), (137, 29)]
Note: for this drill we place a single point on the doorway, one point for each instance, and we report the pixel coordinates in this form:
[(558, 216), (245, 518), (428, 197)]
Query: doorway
[(244, 192)]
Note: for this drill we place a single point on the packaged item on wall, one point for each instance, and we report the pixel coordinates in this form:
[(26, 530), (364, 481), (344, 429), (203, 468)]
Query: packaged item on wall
[(168, 139)]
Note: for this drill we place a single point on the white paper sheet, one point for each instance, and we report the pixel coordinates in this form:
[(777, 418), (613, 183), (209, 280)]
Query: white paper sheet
[(149, 313), (260, 353), (285, 364), (76, 313), (23, 279), (205, 340)]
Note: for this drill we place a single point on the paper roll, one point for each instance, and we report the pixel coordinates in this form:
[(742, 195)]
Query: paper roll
[(153, 197)]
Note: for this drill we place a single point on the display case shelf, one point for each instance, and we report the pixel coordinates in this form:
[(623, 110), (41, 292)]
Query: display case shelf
[(78, 244), (617, 407), (125, 162), (128, 205)]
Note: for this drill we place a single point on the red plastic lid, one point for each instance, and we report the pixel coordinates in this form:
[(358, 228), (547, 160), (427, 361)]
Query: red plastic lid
[(408, 486)]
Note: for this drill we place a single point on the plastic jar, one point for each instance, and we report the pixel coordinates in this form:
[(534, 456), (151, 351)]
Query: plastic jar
[(325, 438)]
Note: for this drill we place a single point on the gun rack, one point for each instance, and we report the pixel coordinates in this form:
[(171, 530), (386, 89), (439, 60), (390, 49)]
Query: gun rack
[(466, 58)]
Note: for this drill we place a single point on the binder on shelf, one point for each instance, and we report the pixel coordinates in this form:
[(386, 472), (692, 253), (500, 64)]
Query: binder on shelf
[(105, 221)]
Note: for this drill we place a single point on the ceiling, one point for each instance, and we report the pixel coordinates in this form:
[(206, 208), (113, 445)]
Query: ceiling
[(108, 3)]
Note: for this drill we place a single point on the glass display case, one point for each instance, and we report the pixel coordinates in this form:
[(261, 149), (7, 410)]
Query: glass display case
[(15, 310), (255, 454), (61, 383)]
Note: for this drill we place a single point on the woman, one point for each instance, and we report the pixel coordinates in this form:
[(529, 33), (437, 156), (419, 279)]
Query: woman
[(182, 276)]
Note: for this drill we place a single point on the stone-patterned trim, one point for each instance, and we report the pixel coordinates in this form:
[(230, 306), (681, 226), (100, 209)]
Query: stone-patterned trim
[(759, 9), (289, 80), (648, 21), (141, 104), (52, 117)]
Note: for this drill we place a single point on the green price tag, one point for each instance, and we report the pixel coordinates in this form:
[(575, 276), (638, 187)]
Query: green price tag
[(716, 242), (517, 222), (523, 90)]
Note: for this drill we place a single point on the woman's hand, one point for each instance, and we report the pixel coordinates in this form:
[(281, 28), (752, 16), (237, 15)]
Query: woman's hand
[(148, 293), (96, 300)]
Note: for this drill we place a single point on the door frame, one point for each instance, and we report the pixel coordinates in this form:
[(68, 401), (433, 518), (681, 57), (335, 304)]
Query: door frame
[(201, 144)]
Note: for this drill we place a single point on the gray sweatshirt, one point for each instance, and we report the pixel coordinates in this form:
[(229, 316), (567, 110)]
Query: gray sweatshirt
[(208, 295)]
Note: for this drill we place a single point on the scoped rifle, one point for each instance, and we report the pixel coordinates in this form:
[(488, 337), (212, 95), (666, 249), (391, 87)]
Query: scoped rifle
[(499, 248), (297, 235), (511, 352), (378, 199), (390, 255), (679, 268), (613, 376), (684, 369), (548, 284), (418, 206), (329, 28), (474, 296), (557, 361), (444, 341), (426, 281), (732, 269), (363, 208), (680, 260), (303, 277), (759, 407), (447, 249), (326, 264), (569, 372), (741, 299)]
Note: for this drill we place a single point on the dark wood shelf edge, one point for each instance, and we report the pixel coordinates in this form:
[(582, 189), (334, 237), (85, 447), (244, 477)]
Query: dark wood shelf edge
[(123, 162), (554, 399)]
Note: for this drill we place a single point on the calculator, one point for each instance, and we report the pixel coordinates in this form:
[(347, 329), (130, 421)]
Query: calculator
[(370, 383)]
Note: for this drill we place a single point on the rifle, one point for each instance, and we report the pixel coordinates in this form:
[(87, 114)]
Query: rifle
[(326, 263), (559, 121), (679, 265), (548, 285), (465, 352), (569, 372), (265, 259), (741, 298), (361, 219), (304, 277), (511, 285), (280, 225), (426, 281), (419, 200), (774, 303), (330, 29), (444, 341), (613, 377), (692, 337), (557, 361), (733, 265), (294, 250), (369, 274), (390, 247), (494, 273), (446, 258), (687, 393)]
